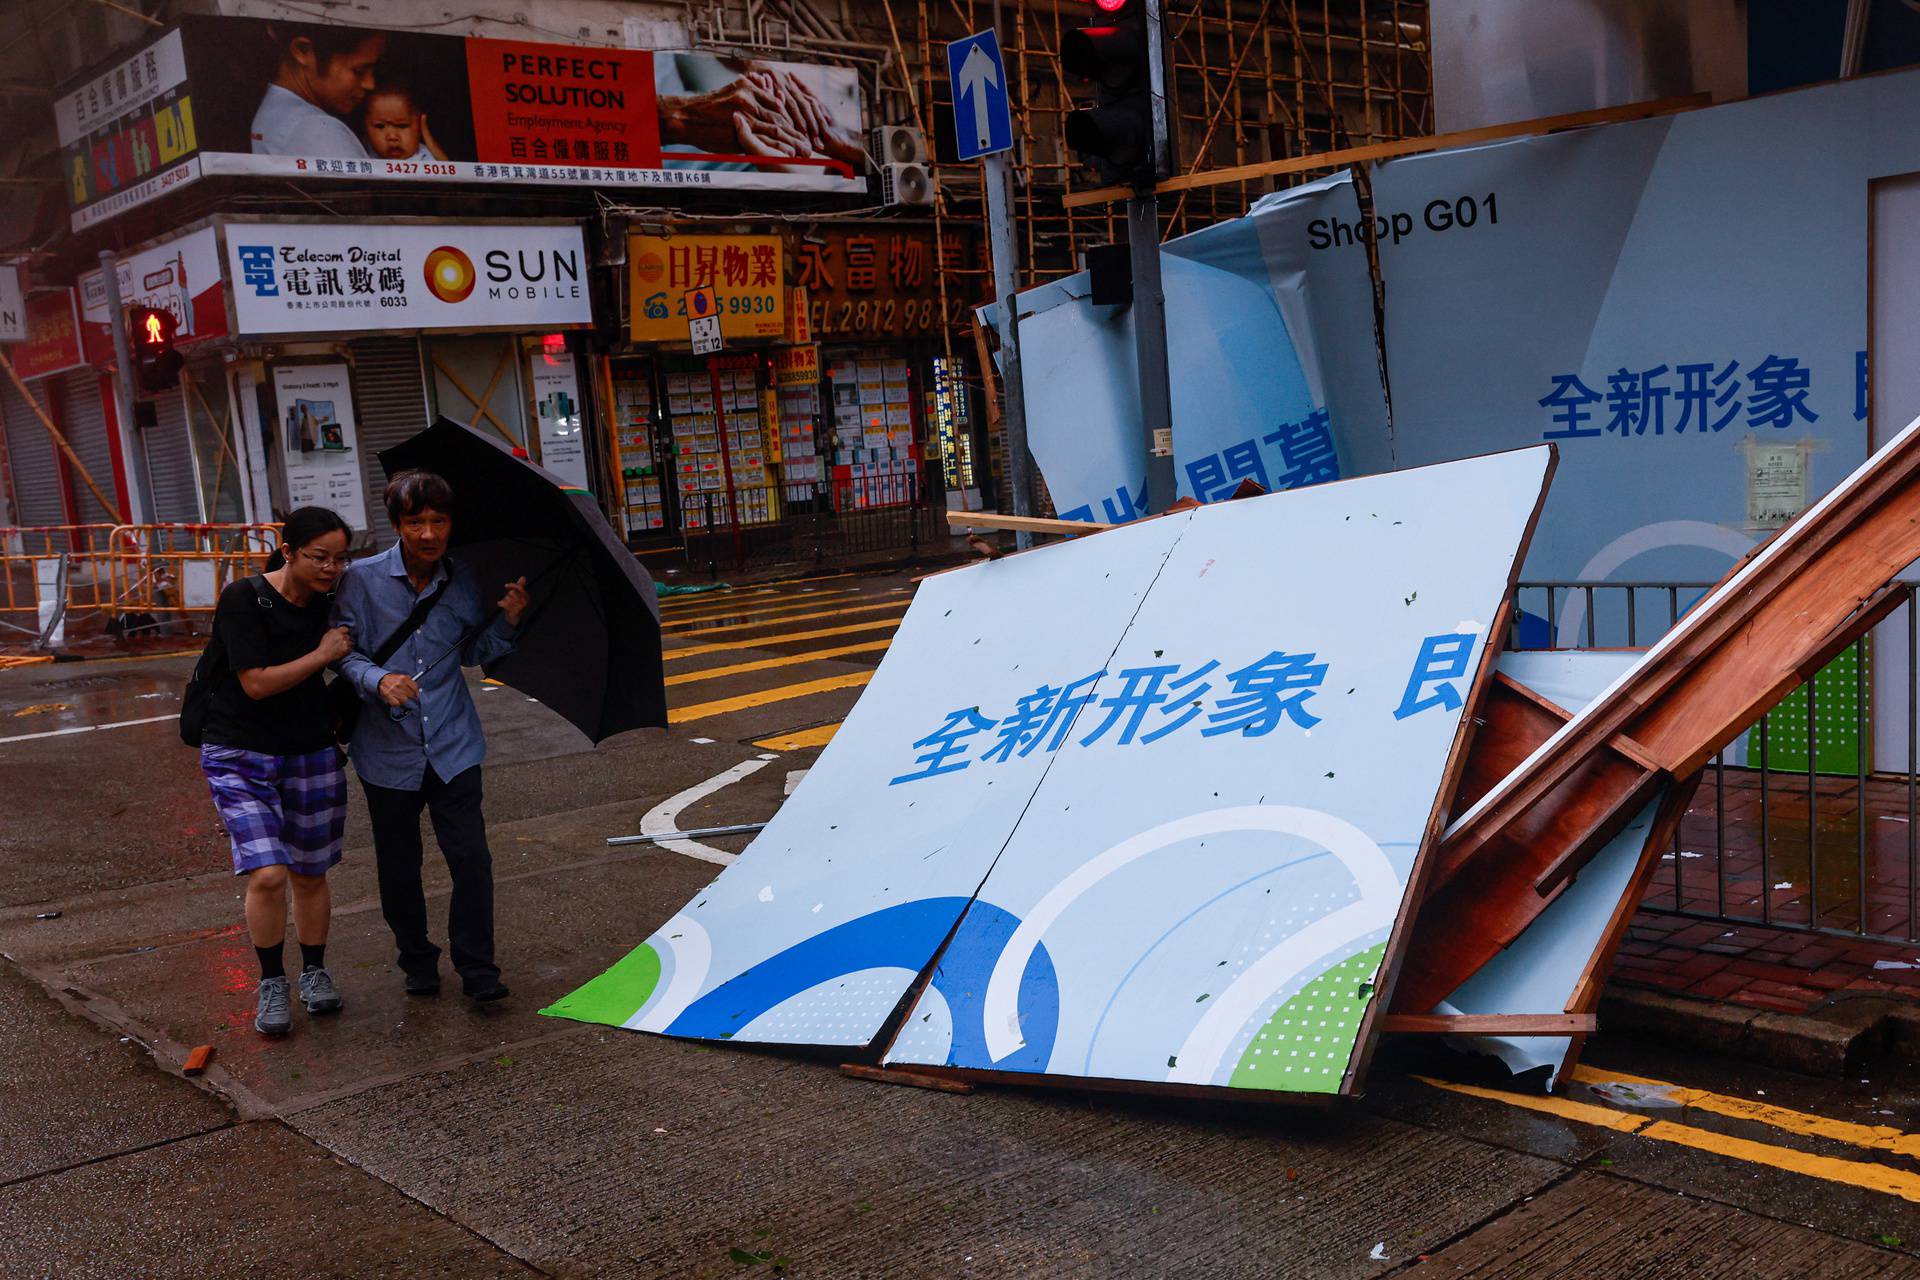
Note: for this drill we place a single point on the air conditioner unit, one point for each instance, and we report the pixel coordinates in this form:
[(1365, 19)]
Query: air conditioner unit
[(897, 144), (907, 184)]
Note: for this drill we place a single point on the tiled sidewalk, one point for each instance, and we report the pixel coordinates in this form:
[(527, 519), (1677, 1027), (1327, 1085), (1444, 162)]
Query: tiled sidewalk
[(1761, 967)]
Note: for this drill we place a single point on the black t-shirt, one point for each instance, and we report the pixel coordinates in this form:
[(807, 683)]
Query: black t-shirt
[(259, 628)]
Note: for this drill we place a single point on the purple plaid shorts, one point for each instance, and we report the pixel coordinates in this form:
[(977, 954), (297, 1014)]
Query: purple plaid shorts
[(287, 811)]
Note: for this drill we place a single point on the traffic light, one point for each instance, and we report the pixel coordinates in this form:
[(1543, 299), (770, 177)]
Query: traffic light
[(150, 333), (1122, 134)]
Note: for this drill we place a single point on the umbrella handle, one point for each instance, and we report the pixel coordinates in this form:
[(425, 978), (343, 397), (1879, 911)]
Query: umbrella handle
[(468, 637)]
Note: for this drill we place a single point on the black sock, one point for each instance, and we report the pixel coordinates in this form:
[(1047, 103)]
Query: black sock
[(271, 964), (313, 957)]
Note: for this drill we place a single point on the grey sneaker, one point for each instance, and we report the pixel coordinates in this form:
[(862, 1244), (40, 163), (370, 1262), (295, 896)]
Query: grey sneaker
[(318, 993), (273, 1018)]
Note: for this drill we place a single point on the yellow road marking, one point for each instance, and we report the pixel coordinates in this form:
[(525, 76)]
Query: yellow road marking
[(1864, 1174), (761, 697), (785, 660), (1854, 1173), (777, 604), (709, 597), (757, 589), (800, 740), (1874, 1137), (798, 617), (761, 642), (1566, 1109)]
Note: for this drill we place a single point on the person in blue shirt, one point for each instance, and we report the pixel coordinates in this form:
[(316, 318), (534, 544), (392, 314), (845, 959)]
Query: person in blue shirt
[(418, 744)]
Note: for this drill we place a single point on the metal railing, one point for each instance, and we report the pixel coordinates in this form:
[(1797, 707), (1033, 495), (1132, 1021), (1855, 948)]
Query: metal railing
[(53, 575), (119, 578), (1811, 820), (181, 569), (873, 515)]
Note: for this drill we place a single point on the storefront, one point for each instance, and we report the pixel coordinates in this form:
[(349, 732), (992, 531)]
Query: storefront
[(902, 396), (199, 462), (699, 437), (784, 422), (48, 486), (363, 333)]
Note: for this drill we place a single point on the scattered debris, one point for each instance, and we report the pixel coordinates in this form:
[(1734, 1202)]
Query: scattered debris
[(197, 1060), (48, 915), (1631, 1094), (1379, 1253)]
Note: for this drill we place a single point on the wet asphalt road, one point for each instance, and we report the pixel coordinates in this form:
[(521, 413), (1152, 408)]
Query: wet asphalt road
[(428, 1138)]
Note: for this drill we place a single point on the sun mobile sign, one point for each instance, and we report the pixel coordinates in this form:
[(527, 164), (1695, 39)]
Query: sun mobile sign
[(326, 277), (222, 96)]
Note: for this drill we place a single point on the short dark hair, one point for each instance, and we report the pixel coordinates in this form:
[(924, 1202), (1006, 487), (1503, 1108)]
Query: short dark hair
[(411, 492)]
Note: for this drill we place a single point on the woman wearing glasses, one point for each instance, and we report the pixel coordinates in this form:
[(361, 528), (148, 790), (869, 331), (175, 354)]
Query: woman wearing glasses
[(268, 751)]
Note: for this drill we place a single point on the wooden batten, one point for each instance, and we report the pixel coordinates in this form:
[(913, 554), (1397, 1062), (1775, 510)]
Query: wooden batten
[(1779, 615), (1488, 1024)]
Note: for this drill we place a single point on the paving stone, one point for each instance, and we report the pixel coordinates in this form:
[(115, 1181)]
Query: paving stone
[(253, 1200), (71, 1092), (1596, 1225)]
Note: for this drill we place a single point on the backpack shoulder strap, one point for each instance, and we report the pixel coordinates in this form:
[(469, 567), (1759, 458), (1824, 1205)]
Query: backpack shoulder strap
[(412, 621)]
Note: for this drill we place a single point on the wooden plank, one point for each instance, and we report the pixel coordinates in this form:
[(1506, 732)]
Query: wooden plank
[(1403, 147), (911, 1079), (1586, 992), (1488, 1024), (1490, 898), (1514, 722), (1812, 590), (1027, 524)]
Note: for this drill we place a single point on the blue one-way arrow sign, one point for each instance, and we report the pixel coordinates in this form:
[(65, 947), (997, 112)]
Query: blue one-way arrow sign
[(982, 123)]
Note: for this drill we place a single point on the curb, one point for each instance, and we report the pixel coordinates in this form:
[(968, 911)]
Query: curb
[(1831, 1040)]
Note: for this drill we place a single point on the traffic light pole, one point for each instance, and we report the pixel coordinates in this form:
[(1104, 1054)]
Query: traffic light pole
[(139, 487), (1006, 281), (1149, 301), (1150, 348)]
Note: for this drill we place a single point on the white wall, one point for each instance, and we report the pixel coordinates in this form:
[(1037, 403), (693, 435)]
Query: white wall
[(1893, 364), (1496, 61)]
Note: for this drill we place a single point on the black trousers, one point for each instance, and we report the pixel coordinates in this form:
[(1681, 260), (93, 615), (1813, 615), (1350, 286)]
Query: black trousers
[(454, 806)]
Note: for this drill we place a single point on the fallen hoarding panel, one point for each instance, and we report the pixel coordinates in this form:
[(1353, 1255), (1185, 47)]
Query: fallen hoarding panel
[(1227, 913)]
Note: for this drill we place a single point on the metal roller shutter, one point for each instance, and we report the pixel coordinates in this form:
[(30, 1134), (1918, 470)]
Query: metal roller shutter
[(30, 452), (389, 405), (84, 419), (169, 448)]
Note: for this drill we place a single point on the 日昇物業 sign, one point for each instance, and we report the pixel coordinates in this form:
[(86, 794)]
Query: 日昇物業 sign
[(324, 277), (747, 275), (241, 96)]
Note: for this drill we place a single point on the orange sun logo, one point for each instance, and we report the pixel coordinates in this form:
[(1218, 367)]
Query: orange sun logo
[(450, 275)]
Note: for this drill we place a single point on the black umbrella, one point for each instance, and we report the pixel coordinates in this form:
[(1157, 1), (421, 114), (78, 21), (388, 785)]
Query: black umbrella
[(589, 645)]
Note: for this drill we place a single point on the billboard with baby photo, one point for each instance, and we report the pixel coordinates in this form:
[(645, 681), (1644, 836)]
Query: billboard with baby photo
[(250, 96)]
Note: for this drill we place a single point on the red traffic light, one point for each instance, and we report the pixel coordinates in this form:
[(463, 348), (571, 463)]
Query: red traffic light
[(153, 329), (1111, 6), (151, 332)]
